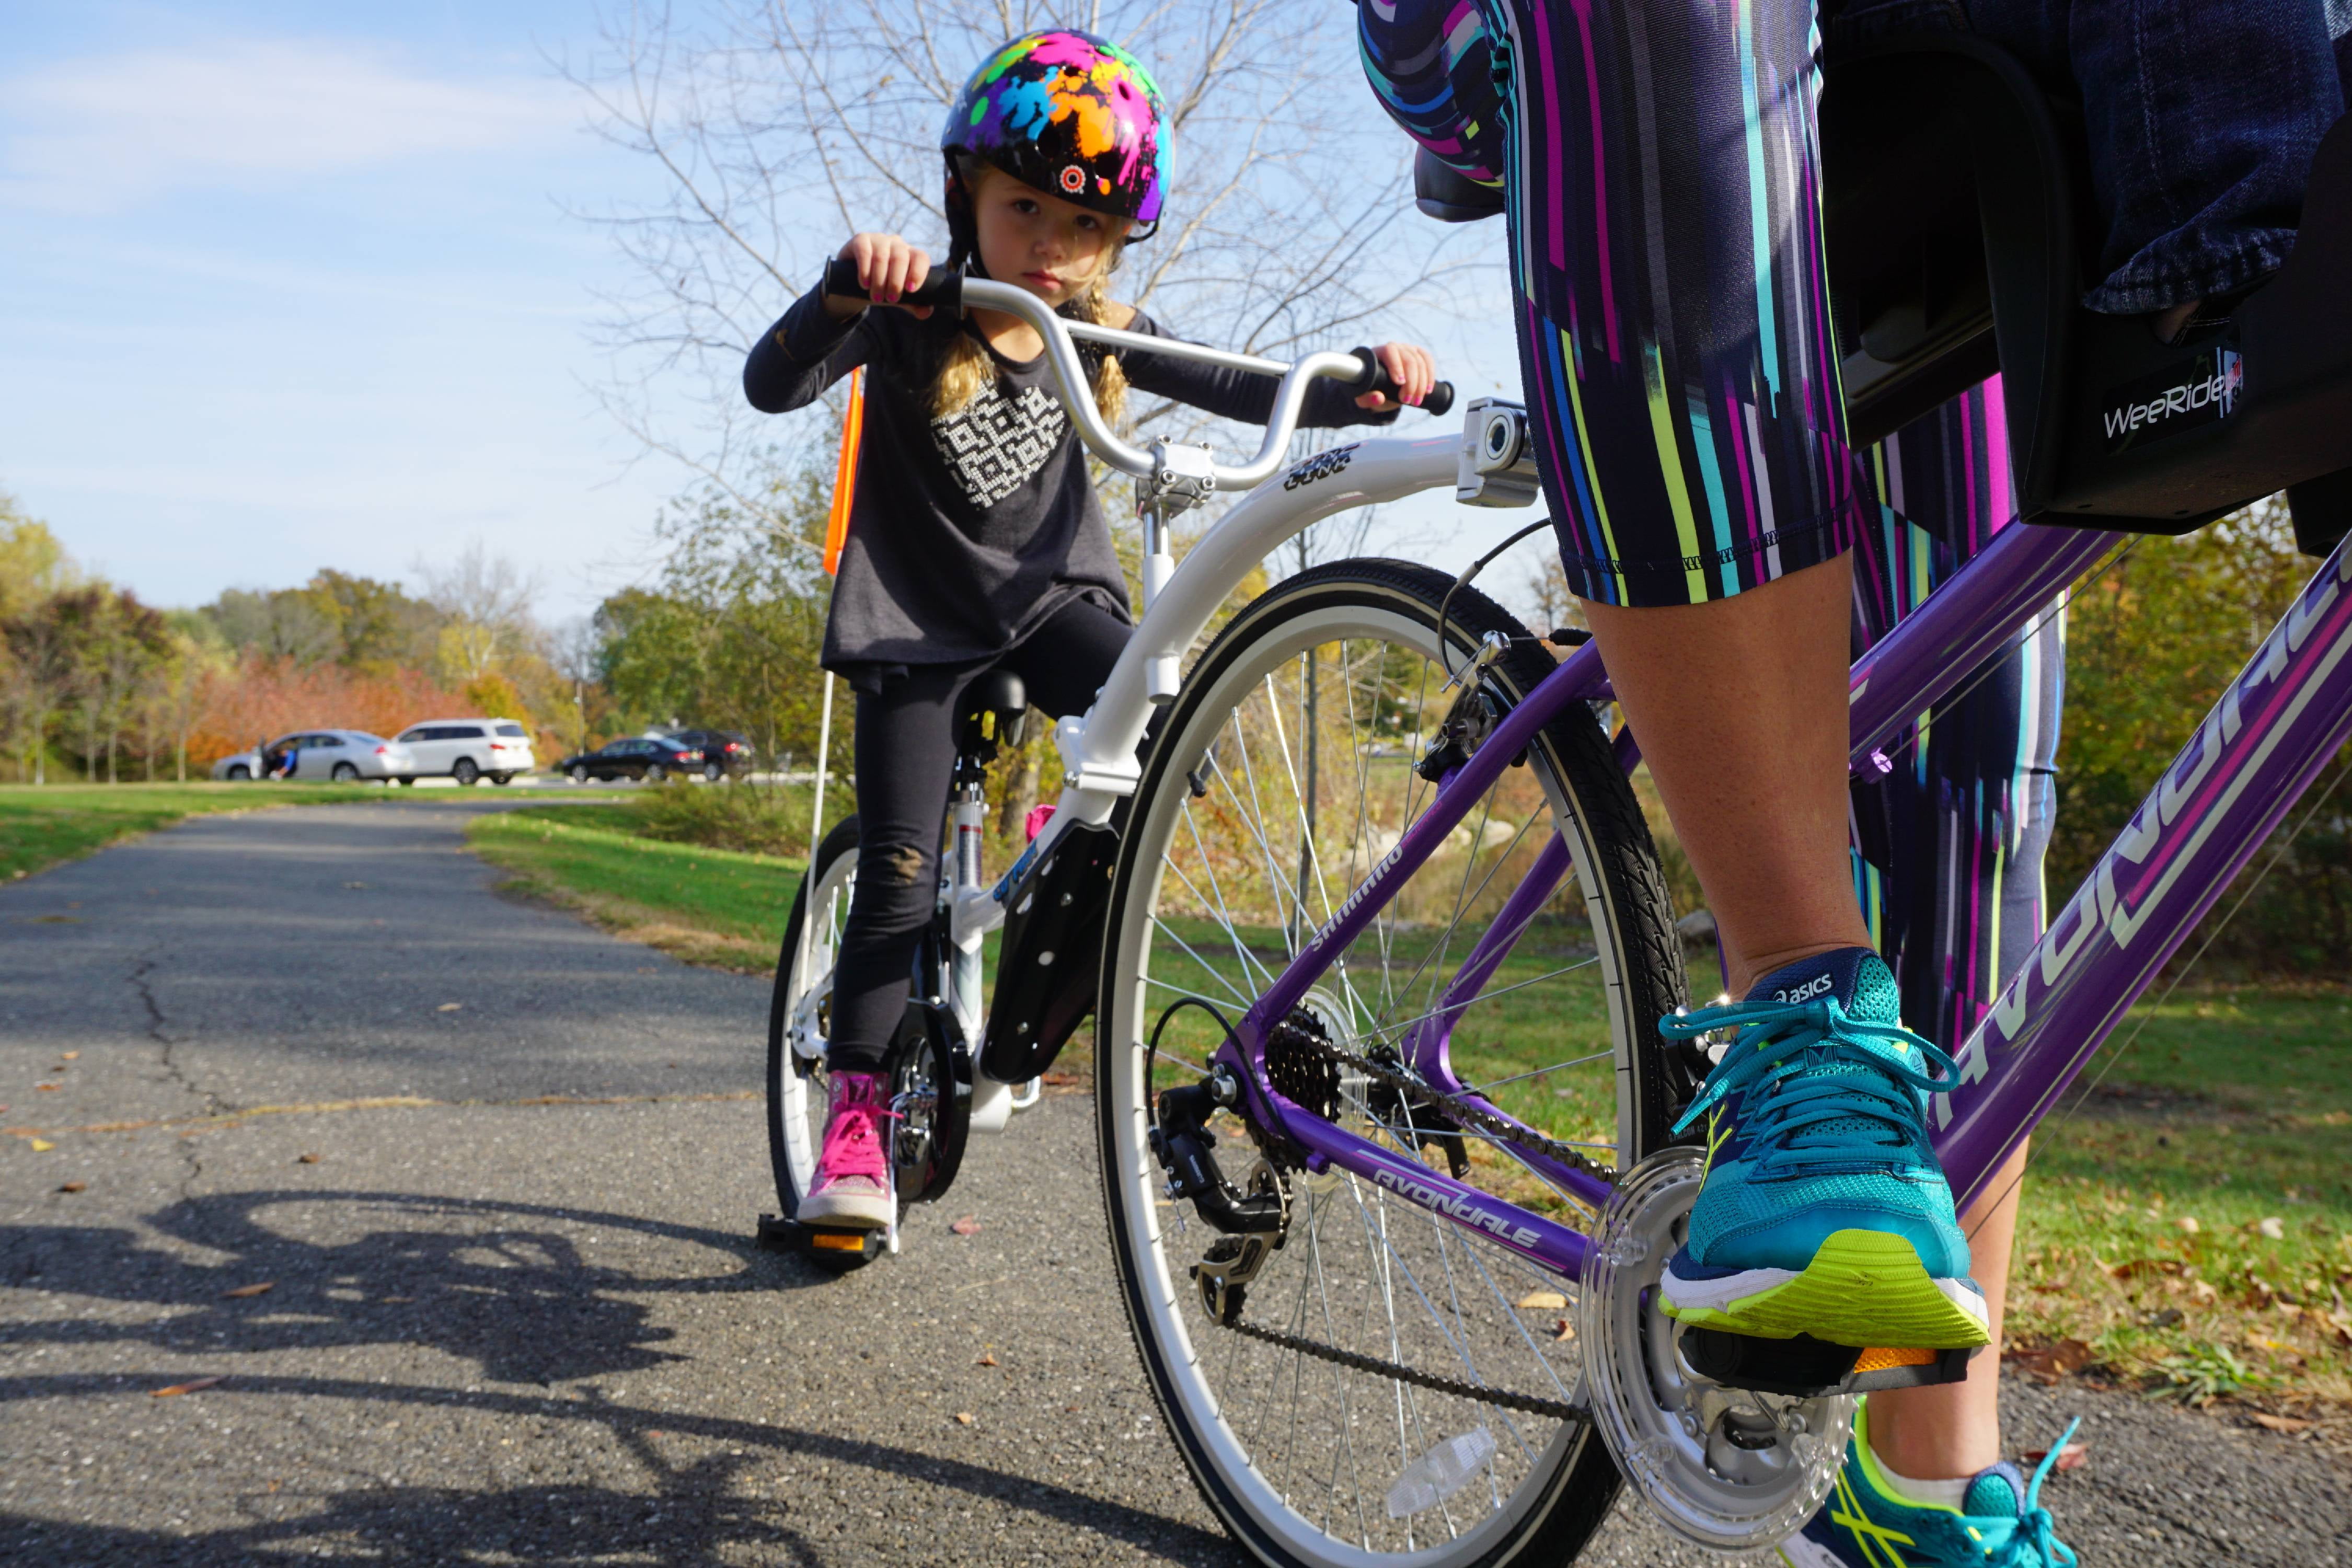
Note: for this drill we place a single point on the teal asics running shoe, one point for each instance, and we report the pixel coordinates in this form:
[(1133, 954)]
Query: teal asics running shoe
[(1823, 1210), (2001, 1523)]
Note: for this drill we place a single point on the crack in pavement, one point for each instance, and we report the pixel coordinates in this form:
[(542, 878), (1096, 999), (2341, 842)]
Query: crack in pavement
[(171, 1070)]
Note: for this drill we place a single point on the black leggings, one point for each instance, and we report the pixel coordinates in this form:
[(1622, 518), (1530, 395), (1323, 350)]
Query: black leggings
[(906, 763)]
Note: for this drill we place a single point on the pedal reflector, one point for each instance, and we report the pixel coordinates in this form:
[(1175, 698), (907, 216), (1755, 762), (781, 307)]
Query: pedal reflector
[(1880, 1359), (838, 1240)]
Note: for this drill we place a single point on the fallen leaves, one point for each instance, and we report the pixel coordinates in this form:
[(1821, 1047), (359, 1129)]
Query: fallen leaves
[(41, 1145), (2272, 1228), (1543, 1301), (963, 1418), (306, 1159), (2188, 1222), (75, 1187), (1562, 1329), (48, 1088), (2049, 1362), (69, 1055), (2072, 1456), (260, 1288), (449, 1007), (968, 1226), (192, 1386), (2287, 1424), (985, 1360)]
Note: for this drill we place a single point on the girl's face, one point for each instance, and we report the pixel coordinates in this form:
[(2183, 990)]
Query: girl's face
[(1050, 247)]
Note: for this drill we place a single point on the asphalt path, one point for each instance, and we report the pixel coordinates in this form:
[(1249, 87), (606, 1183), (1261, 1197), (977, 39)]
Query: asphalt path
[(499, 1173)]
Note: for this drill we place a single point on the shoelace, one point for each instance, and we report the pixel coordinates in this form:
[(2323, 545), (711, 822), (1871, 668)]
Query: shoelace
[(858, 1136), (1793, 1122), (2035, 1542)]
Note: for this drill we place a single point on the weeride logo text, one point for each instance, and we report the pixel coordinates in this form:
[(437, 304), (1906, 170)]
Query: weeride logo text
[(2185, 397)]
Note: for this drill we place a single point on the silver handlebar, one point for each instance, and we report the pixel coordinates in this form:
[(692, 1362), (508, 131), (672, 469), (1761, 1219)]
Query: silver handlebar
[(1077, 392)]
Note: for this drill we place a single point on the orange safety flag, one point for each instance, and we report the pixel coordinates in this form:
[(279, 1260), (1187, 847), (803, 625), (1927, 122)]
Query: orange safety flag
[(845, 473)]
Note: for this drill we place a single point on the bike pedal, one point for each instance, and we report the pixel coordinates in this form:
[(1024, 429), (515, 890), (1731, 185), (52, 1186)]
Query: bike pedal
[(1806, 1368), (826, 1245)]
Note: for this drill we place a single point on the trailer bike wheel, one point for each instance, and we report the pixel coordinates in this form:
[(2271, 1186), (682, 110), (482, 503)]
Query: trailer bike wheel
[(1399, 1388), (800, 1015)]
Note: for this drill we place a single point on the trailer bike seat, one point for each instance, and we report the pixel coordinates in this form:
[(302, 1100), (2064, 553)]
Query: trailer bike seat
[(992, 713)]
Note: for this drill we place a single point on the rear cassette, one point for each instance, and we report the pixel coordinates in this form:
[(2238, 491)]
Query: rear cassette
[(1730, 1468)]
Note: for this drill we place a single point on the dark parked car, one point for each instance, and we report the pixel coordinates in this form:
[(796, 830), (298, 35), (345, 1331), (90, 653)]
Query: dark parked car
[(724, 754), (633, 757)]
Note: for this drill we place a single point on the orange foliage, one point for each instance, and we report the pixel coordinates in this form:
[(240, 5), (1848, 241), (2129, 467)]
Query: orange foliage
[(261, 698)]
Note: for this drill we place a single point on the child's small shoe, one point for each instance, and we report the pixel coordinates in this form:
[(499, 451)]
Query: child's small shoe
[(2000, 1523), (852, 1189)]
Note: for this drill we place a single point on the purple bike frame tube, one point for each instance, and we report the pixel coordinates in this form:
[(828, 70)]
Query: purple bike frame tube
[(1961, 625), (1426, 1048), (1570, 682), (1429, 1048), (1553, 1244), (2287, 712), (1545, 1242)]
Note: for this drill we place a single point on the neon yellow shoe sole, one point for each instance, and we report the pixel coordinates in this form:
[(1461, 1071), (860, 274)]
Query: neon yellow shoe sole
[(1864, 1287)]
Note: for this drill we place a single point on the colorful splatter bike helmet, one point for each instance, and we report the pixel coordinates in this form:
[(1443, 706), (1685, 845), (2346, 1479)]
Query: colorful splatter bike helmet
[(1068, 112)]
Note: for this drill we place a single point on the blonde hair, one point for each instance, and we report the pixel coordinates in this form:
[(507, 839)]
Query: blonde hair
[(965, 365)]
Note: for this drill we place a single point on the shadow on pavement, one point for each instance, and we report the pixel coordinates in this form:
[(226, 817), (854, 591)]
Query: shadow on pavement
[(515, 1289), (508, 1286), (691, 1518)]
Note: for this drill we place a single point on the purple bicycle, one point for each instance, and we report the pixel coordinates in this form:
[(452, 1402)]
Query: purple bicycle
[(1383, 1099)]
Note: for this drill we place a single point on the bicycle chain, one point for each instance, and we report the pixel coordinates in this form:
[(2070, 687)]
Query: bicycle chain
[(1465, 1112), (1527, 1404)]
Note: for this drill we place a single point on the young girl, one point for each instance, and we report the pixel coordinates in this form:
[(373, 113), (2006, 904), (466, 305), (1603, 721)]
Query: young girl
[(975, 540)]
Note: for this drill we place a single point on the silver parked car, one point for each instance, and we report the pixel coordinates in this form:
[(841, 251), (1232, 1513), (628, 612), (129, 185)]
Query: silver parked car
[(322, 756)]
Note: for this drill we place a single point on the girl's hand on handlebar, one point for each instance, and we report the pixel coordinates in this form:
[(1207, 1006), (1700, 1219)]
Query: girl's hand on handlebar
[(1412, 367), (887, 267)]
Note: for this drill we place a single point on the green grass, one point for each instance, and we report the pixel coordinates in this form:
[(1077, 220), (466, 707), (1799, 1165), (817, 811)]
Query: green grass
[(2233, 1108), (719, 907), (43, 824)]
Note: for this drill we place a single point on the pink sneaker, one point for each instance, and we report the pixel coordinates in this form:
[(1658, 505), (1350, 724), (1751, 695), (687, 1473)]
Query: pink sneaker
[(852, 1189)]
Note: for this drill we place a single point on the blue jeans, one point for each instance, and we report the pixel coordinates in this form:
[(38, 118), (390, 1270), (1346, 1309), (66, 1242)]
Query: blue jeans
[(2204, 116)]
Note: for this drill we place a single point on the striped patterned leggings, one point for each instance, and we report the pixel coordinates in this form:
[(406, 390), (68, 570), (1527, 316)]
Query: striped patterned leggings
[(1660, 166)]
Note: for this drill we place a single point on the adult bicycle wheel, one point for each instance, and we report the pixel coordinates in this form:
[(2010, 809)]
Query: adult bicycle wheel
[(1349, 1419), (800, 1015)]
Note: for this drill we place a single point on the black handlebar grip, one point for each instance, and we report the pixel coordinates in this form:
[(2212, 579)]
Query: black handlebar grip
[(942, 290), (1376, 378)]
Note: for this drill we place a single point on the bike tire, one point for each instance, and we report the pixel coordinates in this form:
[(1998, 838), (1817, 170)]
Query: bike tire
[(792, 1152), (1567, 1485)]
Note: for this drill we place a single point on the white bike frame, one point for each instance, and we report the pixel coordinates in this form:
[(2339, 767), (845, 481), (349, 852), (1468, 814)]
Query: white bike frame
[(1488, 462)]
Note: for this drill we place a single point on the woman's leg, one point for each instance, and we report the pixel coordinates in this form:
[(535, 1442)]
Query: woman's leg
[(1681, 375), (1953, 839), (1749, 754)]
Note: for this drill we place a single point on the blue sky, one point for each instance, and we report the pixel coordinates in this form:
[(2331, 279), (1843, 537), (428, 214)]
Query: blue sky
[(291, 286)]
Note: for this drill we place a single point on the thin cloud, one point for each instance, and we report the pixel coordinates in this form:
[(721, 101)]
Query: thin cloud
[(103, 134)]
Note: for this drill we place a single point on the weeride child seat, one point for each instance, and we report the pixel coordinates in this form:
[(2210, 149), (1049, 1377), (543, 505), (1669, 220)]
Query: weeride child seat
[(1960, 241)]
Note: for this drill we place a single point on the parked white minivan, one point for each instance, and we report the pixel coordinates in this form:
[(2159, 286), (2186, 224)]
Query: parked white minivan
[(467, 750)]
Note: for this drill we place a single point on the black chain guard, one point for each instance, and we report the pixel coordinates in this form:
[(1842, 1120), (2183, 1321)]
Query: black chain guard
[(1052, 954), (928, 1051)]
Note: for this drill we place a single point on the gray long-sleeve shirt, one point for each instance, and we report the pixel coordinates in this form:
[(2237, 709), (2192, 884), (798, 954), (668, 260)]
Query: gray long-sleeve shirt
[(966, 532)]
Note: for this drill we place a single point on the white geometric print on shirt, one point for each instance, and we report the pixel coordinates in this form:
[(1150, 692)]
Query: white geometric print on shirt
[(996, 444)]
